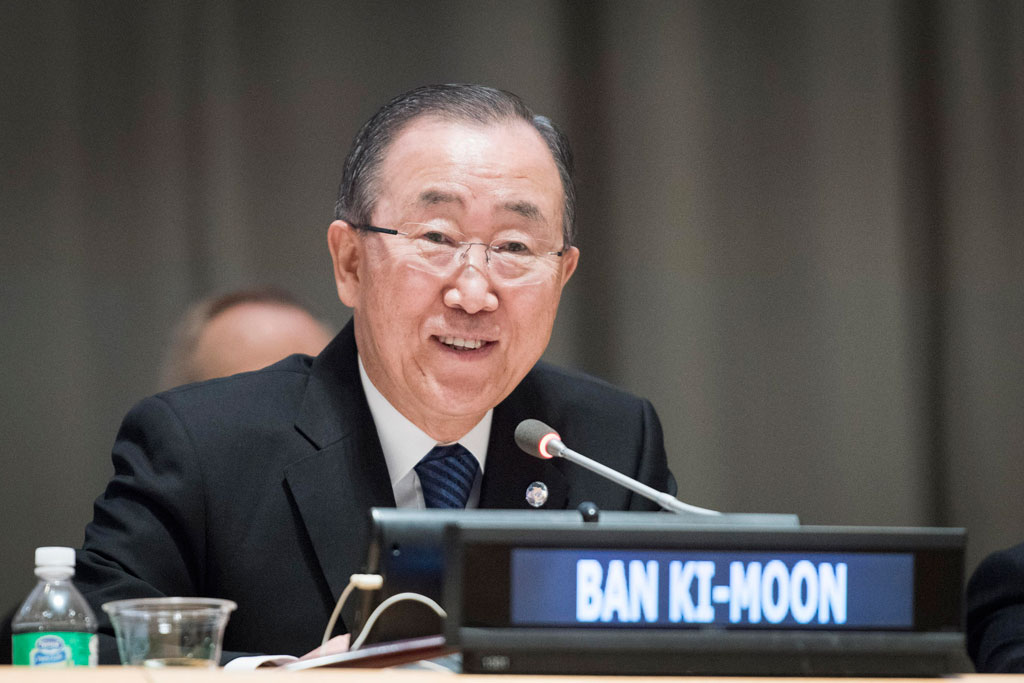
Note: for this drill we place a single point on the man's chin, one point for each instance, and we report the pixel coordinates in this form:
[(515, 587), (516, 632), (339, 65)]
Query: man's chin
[(463, 399), (462, 404)]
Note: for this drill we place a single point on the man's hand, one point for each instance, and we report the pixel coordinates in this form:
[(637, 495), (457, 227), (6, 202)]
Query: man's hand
[(333, 646)]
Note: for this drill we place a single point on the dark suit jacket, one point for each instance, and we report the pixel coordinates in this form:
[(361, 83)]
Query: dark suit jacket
[(257, 487), (995, 613)]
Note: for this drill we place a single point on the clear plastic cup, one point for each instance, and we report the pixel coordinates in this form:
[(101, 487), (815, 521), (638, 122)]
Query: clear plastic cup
[(164, 632)]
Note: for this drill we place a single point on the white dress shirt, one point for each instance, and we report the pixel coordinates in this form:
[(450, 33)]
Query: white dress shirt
[(404, 444)]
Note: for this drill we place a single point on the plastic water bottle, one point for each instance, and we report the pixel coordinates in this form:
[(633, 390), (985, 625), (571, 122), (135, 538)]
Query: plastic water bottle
[(55, 626)]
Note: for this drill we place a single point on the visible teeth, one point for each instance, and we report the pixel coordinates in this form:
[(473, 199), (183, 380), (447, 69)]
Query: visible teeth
[(460, 343)]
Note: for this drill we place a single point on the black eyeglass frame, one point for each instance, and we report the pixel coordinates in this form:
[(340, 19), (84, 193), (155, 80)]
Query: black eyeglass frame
[(391, 231)]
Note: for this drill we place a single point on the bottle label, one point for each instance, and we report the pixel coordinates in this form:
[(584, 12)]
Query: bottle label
[(54, 649)]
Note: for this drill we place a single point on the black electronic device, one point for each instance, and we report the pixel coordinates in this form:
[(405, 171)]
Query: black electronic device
[(407, 549), (625, 598)]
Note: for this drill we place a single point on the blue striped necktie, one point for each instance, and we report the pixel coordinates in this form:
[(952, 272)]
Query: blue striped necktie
[(447, 475)]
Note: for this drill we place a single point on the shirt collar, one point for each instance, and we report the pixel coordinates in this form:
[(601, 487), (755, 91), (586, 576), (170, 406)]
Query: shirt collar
[(404, 444)]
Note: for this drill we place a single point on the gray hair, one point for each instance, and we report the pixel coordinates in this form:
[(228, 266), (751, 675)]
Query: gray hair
[(454, 102)]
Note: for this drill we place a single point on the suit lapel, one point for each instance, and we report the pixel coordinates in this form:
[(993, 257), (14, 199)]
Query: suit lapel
[(509, 471), (335, 487)]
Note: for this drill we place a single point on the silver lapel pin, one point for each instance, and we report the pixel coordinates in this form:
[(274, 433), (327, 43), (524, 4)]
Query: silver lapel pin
[(537, 494)]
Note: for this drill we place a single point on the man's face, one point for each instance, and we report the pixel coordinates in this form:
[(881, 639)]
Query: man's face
[(487, 182)]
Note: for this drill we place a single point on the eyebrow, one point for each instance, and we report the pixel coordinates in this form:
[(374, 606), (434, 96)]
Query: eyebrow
[(524, 208), (431, 197), (527, 210)]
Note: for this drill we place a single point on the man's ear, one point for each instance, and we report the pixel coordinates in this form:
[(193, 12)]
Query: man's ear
[(570, 260), (343, 243)]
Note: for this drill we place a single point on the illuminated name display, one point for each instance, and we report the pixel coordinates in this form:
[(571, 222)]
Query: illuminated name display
[(722, 589)]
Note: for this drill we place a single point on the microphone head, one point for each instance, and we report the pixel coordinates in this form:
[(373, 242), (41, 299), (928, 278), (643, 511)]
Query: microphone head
[(533, 437)]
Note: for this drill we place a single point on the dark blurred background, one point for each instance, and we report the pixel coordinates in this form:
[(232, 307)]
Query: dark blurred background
[(801, 226)]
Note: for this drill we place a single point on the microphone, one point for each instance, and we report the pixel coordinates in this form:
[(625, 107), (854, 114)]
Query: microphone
[(541, 441)]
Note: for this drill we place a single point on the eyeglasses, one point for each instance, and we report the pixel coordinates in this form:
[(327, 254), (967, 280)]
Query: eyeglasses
[(522, 260)]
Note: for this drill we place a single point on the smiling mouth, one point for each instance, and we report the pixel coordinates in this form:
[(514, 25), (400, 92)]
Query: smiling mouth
[(461, 344)]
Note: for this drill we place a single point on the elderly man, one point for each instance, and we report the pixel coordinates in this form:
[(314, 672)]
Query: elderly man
[(453, 241)]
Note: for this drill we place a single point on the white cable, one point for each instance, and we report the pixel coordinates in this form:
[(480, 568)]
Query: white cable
[(364, 582), (387, 603), (432, 666)]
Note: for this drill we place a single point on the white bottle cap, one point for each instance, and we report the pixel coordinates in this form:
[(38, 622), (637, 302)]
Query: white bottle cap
[(55, 556)]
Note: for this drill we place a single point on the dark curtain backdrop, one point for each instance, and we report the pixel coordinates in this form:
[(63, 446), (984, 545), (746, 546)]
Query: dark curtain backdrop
[(801, 226)]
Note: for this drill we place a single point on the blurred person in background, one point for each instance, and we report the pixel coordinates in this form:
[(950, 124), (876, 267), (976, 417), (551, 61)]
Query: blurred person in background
[(995, 613), (223, 335), (239, 331)]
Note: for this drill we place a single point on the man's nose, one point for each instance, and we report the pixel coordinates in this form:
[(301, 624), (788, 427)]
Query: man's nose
[(471, 290)]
